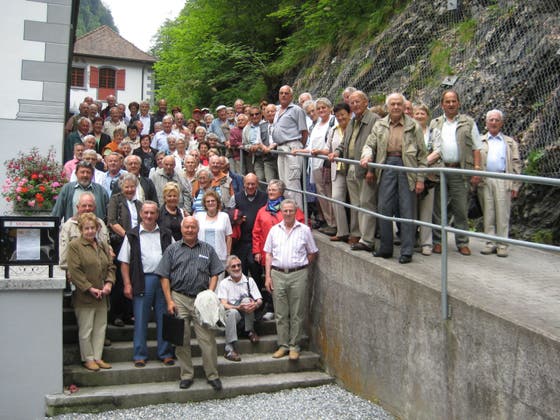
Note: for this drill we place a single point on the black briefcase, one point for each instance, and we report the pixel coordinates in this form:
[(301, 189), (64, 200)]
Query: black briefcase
[(173, 329)]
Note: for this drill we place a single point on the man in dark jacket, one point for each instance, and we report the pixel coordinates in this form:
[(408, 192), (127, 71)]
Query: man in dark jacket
[(140, 254)]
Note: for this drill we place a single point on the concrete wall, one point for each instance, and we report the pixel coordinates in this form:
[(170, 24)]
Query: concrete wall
[(381, 334), (31, 350)]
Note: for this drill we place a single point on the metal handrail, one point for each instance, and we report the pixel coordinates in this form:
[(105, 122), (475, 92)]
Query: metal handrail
[(444, 228)]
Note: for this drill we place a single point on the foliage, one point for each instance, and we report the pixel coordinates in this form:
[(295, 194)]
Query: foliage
[(543, 236), (93, 14), (533, 162), (466, 31), (33, 181), (439, 58)]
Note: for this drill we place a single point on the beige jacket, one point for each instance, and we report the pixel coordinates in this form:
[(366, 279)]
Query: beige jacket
[(513, 160)]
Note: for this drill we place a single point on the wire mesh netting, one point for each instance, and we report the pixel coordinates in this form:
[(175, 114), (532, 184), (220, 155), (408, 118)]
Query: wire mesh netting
[(495, 54)]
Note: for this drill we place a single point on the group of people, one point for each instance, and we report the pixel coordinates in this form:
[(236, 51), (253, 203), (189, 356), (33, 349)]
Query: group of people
[(151, 226)]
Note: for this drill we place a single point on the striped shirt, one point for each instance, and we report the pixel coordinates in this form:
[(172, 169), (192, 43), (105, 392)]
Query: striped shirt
[(189, 268), (290, 249)]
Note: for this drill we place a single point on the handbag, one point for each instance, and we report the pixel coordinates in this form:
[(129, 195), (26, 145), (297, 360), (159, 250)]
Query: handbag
[(173, 329)]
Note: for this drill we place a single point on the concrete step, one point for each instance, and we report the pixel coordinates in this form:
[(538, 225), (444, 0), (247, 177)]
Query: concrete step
[(122, 351), (155, 371), (70, 332), (96, 399)]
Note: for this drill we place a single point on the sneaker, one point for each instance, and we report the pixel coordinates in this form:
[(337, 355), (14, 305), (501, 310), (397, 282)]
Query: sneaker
[(426, 250), (232, 356), (502, 252), (269, 316), (488, 249)]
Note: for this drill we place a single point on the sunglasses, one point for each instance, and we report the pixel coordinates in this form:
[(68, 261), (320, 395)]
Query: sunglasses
[(235, 265)]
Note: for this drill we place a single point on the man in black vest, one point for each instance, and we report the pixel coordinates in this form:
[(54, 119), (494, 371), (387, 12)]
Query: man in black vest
[(248, 202), (140, 255)]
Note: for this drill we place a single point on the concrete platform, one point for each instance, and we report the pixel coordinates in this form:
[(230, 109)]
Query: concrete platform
[(498, 356)]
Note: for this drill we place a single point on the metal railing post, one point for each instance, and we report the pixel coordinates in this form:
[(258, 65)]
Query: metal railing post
[(444, 256), (304, 189)]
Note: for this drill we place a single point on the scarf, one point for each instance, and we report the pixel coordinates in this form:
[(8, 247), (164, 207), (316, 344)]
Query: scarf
[(273, 206)]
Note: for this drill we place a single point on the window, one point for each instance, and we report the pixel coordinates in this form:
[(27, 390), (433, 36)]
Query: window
[(78, 77), (107, 78)]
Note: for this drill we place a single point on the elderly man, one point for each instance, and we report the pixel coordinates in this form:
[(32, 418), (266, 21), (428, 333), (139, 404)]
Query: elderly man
[(92, 157), (240, 297), (396, 140), (161, 112), (146, 118), (114, 171), (289, 248), (460, 148), (84, 127), (111, 102), (217, 123), (360, 181), (270, 159), (248, 202), (167, 173), (159, 141), (70, 166), (187, 268), (290, 132), (346, 94), (67, 201), (140, 254), (72, 123), (499, 154), (115, 121)]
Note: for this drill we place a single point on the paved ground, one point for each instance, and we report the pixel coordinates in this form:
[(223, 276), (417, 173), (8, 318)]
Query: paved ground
[(324, 402)]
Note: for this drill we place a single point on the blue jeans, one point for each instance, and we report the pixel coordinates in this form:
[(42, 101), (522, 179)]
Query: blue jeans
[(142, 304)]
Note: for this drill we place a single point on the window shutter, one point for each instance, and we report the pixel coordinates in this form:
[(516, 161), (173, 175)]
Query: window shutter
[(93, 77), (121, 74)]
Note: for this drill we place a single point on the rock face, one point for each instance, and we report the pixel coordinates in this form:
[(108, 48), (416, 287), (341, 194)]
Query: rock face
[(504, 54)]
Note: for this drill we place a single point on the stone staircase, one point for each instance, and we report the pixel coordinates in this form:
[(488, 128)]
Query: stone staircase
[(125, 386)]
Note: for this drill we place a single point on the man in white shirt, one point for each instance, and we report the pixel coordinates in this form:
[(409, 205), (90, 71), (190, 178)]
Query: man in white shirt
[(240, 297), (460, 148), (499, 154), (289, 248)]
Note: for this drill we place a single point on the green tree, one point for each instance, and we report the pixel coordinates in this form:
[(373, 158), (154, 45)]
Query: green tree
[(93, 14)]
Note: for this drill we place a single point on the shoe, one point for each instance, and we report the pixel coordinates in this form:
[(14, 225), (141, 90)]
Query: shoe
[(118, 322), (353, 239), (185, 383), (328, 230), (427, 250), (168, 361), (339, 238), (139, 363), (91, 365), (405, 259), (464, 250), (269, 316), (378, 254), (103, 365), (294, 355), (107, 342), (232, 356), (436, 249), (281, 352), (502, 252), (489, 249), (360, 246), (216, 384), (253, 337)]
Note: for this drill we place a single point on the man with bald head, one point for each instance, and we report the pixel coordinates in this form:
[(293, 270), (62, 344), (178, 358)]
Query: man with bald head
[(289, 133), (396, 140), (248, 202), (187, 268)]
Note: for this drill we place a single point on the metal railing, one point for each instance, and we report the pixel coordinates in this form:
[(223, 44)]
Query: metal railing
[(443, 227)]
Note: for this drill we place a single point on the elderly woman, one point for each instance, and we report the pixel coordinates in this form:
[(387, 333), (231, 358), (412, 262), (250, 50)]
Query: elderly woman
[(214, 225), (337, 173), (432, 138), (268, 216), (180, 152), (170, 215), (159, 162), (101, 139), (201, 185), (123, 213), (203, 148), (191, 165), (91, 268)]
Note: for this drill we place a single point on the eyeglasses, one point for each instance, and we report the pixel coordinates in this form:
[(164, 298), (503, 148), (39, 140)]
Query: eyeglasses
[(255, 115), (235, 265), (210, 201)]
